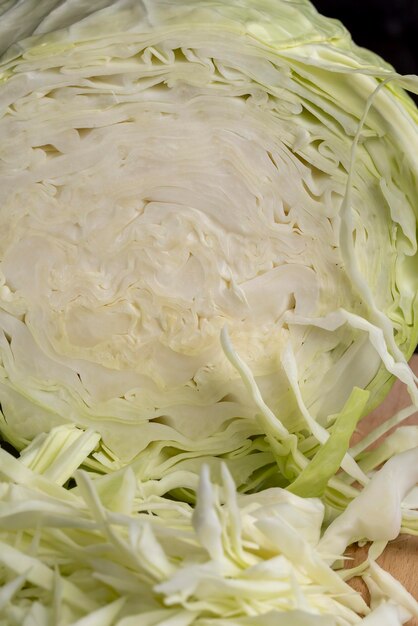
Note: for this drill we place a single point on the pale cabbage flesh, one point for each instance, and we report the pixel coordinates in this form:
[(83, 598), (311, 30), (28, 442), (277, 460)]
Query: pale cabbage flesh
[(160, 182)]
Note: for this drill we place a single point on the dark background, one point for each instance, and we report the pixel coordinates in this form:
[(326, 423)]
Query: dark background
[(388, 27)]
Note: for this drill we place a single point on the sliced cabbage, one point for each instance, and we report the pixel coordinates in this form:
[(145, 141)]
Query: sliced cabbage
[(102, 553), (376, 513), (169, 168)]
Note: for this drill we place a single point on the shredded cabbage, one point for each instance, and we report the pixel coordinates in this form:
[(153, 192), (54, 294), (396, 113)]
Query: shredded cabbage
[(102, 553)]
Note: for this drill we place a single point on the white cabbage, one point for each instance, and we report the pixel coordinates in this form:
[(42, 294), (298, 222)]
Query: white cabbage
[(208, 259), (167, 168), (103, 554)]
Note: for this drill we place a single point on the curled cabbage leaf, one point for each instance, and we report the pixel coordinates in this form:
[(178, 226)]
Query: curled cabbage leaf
[(171, 168)]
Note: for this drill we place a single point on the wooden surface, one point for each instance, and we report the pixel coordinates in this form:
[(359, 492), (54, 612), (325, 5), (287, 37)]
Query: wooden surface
[(401, 556)]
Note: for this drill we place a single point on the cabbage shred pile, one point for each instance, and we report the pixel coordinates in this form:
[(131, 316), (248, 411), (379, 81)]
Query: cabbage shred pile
[(208, 277)]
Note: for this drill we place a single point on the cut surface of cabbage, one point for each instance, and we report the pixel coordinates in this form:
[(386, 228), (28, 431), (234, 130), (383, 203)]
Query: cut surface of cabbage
[(171, 168)]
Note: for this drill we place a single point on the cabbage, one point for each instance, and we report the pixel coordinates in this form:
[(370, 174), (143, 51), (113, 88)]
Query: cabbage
[(208, 259), (171, 168), (105, 554)]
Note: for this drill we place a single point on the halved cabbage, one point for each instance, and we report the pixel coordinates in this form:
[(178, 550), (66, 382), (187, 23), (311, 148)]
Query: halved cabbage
[(171, 168)]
